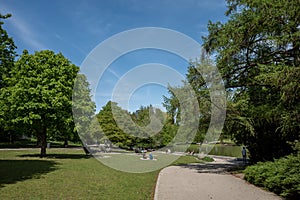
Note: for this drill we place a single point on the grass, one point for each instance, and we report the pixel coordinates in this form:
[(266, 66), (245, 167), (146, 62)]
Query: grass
[(186, 159), (69, 174)]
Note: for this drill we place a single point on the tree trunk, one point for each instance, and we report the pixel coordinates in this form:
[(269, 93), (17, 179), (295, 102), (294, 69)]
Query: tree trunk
[(221, 139), (43, 142), (38, 139), (10, 138), (66, 143)]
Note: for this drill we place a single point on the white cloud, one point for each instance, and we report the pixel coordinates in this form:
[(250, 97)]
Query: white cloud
[(26, 34), (58, 36), (114, 73)]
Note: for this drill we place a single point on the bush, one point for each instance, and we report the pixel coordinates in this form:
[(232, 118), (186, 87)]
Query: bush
[(281, 176), (207, 159)]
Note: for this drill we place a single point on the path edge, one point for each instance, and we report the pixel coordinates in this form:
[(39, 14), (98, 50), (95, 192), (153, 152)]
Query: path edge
[(157, 184)]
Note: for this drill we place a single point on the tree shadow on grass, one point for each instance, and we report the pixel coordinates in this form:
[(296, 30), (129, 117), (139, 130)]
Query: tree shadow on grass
[(12, 171), (58, 156)]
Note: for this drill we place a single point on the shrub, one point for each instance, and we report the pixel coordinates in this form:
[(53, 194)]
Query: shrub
[(207, 159), (281, 176)]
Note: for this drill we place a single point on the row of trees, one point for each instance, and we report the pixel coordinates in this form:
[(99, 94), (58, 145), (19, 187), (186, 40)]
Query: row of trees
[(36, 94), (257, 52), (37, 100), (147, 127)]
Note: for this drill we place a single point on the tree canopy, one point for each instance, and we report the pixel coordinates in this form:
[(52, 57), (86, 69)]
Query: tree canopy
[(7, 56), (144, 128), (38, 97), (7, 51), (258, 53)]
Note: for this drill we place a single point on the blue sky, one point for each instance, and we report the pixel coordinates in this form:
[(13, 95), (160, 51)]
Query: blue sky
[(76, 27)]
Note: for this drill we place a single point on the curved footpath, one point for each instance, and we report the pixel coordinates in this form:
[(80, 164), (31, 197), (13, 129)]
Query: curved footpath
[(206, 182)]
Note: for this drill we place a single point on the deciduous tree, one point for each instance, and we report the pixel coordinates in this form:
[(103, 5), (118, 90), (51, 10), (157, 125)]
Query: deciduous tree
[(7, 56), (39, 93)]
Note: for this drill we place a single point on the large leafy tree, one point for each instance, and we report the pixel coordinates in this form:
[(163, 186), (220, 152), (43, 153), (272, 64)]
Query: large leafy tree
[(39, 94), (7, 56), (258, 53)]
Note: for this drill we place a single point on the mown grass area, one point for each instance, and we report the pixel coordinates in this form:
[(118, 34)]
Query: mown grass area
[(70, 174), (183, 160)]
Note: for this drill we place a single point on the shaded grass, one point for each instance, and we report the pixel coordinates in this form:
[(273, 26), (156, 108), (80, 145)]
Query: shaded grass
[(12, 171)]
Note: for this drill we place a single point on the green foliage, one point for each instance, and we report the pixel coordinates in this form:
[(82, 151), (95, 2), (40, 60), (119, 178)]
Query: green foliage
[(207, 159), (110, 127), (38, 97), (145, 128), (7, 52), (7, 56), (183, 112), (166, 135), (84, 110), (258, 53), (202, 78), (281, 176), (197, 119)]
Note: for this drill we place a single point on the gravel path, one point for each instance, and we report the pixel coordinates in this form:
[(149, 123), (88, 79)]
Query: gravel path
[(206, 182)]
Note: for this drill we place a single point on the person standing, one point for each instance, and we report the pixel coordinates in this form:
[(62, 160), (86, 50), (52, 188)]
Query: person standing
[(150, 156), (244, 154)]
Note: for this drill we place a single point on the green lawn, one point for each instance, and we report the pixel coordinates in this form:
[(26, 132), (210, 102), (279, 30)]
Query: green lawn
[(69, 174)]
